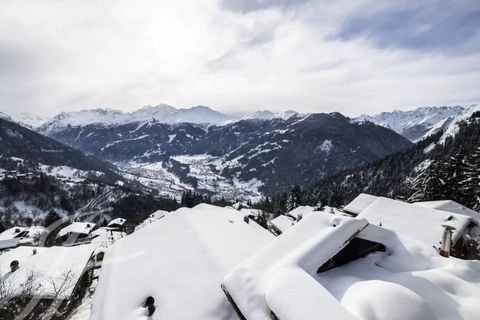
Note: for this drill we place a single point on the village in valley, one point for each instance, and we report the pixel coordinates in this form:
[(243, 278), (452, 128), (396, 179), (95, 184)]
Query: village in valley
[(211, 262)]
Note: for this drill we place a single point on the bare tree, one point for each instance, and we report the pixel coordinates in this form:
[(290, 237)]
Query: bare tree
[(6, 290), (60, 286), (13, 298)]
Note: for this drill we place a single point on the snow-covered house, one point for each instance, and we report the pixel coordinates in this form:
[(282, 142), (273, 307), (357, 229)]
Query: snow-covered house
[(360, 203), (300, 212), (42, 276), (159, 214), (240, 205), (10, 238), (324, 266), (179, 261), (117, 224), (450, 206), (280, 224), (76, 231), (421, 223), (105, 236), (14, 233)]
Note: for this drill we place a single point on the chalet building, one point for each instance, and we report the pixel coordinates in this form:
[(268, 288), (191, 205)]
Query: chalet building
[(47, 276), (76, 232), (117, 224), (399, 237)]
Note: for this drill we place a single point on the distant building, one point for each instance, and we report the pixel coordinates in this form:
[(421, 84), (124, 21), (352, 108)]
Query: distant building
[(117, 224), (76, 231)]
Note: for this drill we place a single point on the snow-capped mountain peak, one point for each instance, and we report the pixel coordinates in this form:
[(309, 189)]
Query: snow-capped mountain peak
[(28, 120), (269, 115), (414, 124), (161, 113)]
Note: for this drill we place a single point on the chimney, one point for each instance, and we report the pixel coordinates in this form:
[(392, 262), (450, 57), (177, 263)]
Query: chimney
[(14, 265), (150, 305), (446, 240)]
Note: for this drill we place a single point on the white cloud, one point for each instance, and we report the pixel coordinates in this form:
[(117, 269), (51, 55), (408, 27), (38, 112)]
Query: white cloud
[(67, 55)]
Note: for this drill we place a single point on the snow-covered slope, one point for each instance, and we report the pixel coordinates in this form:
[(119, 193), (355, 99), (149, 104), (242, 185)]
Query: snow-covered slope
[(414, 124), (28, 120), (451, 125), (268, 115), (162, 113)]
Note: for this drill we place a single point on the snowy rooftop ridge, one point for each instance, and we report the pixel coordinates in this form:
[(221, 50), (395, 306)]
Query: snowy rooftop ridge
[(183, 271), (408, 281), (298, 252), (49, 265), (77, 227), (422, 224), (320, 267)]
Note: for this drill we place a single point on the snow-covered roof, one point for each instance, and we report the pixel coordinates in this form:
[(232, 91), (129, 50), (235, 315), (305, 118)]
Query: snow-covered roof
[(421, 223), (159, 214), (282, 223), (182, 271), (77, 227), (409, 281), (240, 205), (117, 221), (362, 201), (49, 266), (278, 278), (450, 206), (11, 233), (301, 211), (34, 233), (250, 212), (106, 236), (9, 243)]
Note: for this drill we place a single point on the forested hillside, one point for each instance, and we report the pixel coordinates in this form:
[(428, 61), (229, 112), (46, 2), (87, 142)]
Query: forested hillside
[(430, 170)]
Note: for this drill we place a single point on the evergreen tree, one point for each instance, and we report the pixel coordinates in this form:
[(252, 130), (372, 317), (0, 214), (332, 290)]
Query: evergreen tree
[(51, 217), (295, 198)]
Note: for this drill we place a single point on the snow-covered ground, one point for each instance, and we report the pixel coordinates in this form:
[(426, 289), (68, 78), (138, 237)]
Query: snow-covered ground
[(156, 176), (204, 168), (68, 173)]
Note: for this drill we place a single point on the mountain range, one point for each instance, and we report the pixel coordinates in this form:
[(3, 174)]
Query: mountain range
[(443, 166), (415, 124), (245, 158), (174, 150)]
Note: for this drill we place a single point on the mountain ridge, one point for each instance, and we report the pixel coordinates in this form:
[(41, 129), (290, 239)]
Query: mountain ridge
[(262, 154), (414, 124)]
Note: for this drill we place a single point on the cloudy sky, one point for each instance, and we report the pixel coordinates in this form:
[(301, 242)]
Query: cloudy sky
[(237, 56)]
